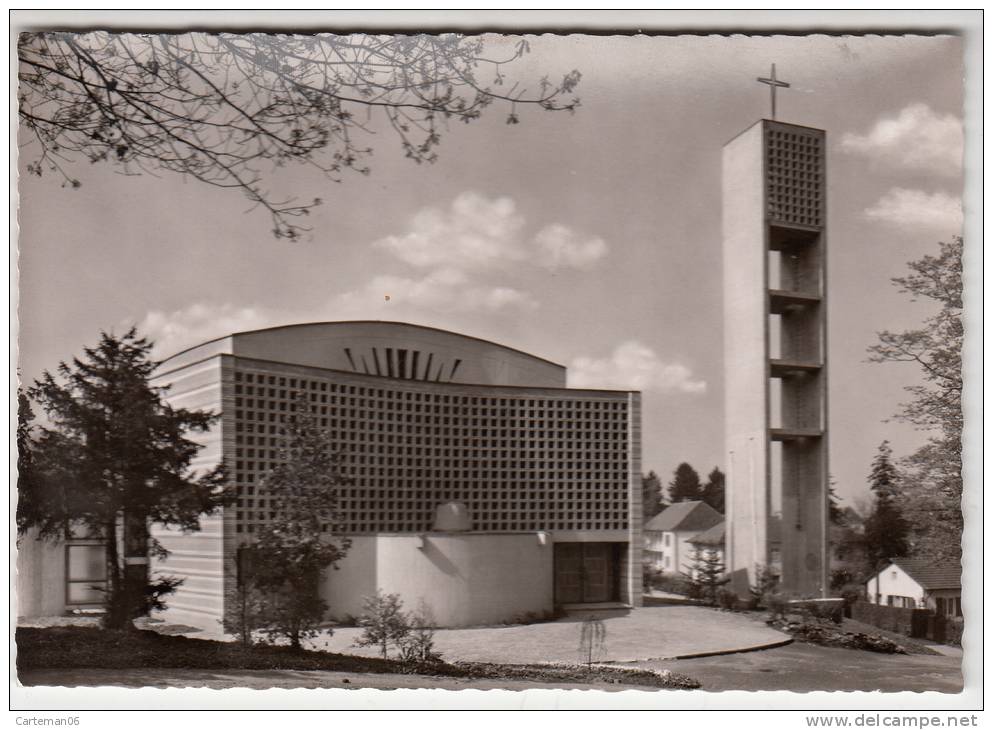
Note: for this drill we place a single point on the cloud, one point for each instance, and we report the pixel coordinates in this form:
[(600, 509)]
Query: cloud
[(475, 233), (633, 366), (479, 234), (199, 322), (916, 138), (560, 247), (466, 252), (913, 209)]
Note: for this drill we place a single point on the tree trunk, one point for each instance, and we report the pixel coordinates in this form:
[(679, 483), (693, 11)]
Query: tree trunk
[(113, 617)]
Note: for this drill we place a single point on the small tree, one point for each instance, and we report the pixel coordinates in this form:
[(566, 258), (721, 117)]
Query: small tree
[(766, 583), (417, 645), (383, 622), (592, 640), (303, 536), (685, 484), (113, 459), (706, 573)]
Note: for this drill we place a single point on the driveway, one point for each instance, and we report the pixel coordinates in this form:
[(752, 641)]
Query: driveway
[(655, 632)]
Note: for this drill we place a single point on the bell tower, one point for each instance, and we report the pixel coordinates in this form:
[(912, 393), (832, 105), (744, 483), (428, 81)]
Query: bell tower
[(775, 355)]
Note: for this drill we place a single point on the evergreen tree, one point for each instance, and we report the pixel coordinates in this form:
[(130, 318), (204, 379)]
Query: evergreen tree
[(885, 528), (713, 490), (114, 456), (706, 574), (685, 485), (303, 535), (651, 495)]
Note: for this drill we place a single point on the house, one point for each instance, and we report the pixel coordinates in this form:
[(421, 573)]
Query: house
[(919, 583), (709, 542), (712, 540), (667, 535)]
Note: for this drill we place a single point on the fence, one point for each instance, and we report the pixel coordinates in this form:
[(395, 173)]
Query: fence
[(917, 623)]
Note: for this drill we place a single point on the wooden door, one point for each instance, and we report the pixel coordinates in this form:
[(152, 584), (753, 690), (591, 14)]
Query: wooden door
[(568, 573)]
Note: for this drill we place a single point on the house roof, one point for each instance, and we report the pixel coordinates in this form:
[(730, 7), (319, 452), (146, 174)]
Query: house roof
[(713, 537), (930, 574), (685, 517)]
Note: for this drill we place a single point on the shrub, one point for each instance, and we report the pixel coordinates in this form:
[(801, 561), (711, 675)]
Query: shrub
[(727, 599), (777, 604), (851, 593), (417, 644), (766, 582), (383, 622), (671, 583), (953, 632)]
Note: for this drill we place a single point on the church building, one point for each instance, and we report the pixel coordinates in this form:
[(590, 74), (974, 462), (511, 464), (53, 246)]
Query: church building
[(477, 481)]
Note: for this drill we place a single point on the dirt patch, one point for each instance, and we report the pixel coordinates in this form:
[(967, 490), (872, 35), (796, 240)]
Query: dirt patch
[(827, 634)]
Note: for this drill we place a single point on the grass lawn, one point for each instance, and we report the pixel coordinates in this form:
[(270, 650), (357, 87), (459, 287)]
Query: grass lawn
[(73, 647)]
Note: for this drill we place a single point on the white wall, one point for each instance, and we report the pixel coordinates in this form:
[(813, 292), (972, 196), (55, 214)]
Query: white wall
[(41, 577), (893, 581), (465, 579)]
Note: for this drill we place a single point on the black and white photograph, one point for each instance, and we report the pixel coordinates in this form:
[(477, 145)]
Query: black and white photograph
[(358, 353)]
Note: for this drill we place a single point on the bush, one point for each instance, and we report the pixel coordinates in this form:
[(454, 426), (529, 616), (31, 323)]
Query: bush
[(766, 582), (417, 644), (727, 599), (383, 622), (851, 592), (672, 584), (953, 632), (777, 604)]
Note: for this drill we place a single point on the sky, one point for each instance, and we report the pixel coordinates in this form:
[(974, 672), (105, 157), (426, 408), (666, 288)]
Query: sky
[(591, 239)]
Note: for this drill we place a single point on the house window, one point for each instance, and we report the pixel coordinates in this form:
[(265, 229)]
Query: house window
[(86, 574), (667, 562), (667, 536)]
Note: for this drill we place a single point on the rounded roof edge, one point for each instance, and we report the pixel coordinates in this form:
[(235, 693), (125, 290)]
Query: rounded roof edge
[(361, 321)]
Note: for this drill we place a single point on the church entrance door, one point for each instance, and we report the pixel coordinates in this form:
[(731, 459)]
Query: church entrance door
[(587, 572)]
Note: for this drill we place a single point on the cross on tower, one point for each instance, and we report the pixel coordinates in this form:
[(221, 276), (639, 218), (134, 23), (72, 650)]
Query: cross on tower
[(773, 83)]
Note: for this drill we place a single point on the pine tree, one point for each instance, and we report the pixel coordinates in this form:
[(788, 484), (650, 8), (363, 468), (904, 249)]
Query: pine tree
[(886, 529), (113, 455), (713, 490), (685, 485), (303, 536), (706, 574)]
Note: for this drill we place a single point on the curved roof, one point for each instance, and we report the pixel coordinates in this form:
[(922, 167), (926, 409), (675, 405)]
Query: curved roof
[(383, 348)]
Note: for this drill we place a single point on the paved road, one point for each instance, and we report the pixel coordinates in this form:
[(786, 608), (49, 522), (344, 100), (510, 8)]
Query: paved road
[(798, 668), (804, 667), (655, 632)]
